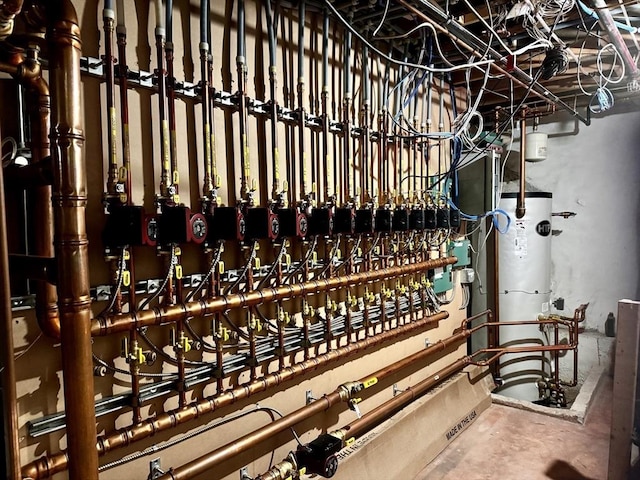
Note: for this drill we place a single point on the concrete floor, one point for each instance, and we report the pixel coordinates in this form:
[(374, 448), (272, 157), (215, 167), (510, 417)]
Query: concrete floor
[(512, 444)]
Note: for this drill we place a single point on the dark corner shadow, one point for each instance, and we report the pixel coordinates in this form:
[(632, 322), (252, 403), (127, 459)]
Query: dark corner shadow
[(561, 470)]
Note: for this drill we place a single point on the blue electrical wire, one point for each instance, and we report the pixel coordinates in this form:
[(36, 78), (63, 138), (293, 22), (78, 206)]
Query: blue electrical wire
[(494, 214)]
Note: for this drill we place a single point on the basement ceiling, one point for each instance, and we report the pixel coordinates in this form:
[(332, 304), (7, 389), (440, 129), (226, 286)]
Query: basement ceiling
[(583, 61)]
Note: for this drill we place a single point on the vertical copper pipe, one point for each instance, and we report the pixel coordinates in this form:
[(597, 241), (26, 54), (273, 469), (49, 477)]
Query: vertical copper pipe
[(520, 207), (71, 245), (108, 16), (39, 110), (9, 405)]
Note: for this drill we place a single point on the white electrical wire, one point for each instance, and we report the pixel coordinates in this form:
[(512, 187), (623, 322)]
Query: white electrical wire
[(7, 158)]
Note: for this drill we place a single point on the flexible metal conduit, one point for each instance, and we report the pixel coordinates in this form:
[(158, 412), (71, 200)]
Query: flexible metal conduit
[(45, 467), (211, 460), (123, 322)]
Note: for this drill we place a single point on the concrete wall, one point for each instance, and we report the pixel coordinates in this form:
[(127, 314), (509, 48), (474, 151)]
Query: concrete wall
[(594, 172)]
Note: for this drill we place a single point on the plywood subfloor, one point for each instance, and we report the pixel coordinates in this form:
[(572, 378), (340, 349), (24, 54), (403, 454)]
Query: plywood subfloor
[(512, 444)]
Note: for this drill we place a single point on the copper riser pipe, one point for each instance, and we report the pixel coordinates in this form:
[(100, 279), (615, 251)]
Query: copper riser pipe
[(520, 207), (123, 322), (71, 245), (45, 467), (9, 406)]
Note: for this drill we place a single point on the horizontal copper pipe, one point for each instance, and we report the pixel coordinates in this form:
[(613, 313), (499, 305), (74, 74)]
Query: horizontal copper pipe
[(224, 453), (45, 467), (400, 401), (106, 325)]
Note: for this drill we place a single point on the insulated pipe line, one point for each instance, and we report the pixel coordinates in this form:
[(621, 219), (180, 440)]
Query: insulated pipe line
[(324, 104), (45, 467), (273, 105), (108, 16), (165, 160), (123, 322), (9, 398), (207, 182), (520, 206), (458, 34), (69, 200), (343, 393), (121, 36), (246, 192), (302, 114), (171, 102)]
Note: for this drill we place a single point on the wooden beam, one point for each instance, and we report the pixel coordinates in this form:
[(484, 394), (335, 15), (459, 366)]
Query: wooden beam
[(624, 389)]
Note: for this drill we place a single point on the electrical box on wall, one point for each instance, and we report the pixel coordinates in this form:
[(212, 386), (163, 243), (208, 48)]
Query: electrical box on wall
[(443, 280), (462, 251)]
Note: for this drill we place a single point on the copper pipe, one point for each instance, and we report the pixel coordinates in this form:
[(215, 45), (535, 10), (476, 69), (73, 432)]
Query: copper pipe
[(9, 402), (109, 324), (71, 246), (520, 207), (29, 73), (341, 394), (45, 467), (8, 11), (400, 401)]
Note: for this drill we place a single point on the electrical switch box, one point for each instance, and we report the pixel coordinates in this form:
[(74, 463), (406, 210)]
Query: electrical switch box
[(344, 221), (364, 221), (320, 221), (262, 223), (461, 249), (384, 220), (401, 220), (443, 280), (416, 219)]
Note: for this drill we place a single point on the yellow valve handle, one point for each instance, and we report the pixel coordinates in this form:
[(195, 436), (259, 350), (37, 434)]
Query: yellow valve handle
[(314, 257), (359, 252), (217, 181), (221, 267), (177, 251), (123, 198), (179, 272), (369, 382), (126, 278), (302, 471), (287, 317), (376, 250), (126, 255), (338, 254), (138, 355), (355, 401), (176, 177), (122, 174), (350, 441), (224, 334), (254, 184), (257, 263), (287, 259), (176, 198)]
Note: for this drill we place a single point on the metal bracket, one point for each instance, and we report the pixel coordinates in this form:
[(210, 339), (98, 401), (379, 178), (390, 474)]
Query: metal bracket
[(309, 397), (427, 343), (396, 390), (244, 474), (154, 469)]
